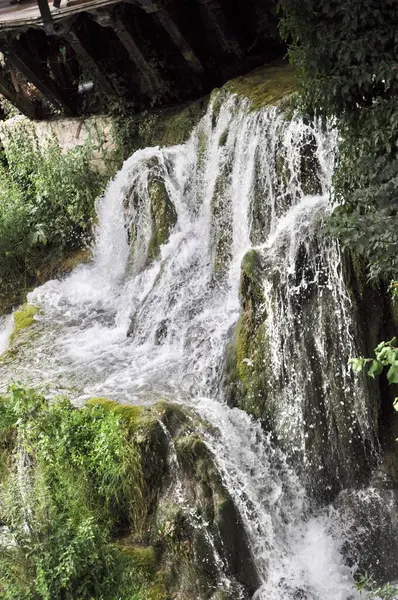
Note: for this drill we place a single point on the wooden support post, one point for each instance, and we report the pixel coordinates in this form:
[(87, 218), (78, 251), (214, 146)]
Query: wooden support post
[(34, 72), (22, 103), (86, 55), (215, 17), (46, 17), (152, 83), (169, 24), (136, 56), (179, 40)]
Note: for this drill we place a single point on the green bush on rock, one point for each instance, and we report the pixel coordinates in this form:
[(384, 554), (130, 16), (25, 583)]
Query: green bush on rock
[(74, 478), (88, 509)]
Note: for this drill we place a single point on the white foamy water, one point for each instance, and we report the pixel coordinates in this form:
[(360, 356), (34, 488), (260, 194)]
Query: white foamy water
[(6, 327), (182, 306)]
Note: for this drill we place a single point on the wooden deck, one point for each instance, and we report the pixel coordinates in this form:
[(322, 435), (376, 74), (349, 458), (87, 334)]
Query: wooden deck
[(27, 13)]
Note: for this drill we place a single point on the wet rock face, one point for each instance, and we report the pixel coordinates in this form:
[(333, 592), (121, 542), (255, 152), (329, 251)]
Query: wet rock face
[(284, 366), (368, 520), (192, 525)]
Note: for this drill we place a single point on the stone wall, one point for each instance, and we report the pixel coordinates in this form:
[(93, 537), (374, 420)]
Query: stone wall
[(69, 133)]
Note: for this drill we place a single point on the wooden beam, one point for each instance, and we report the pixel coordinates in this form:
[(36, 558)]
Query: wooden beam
[(152, 83), (216, 19), (46, 17), (22, 103), (86, 55), (168, 23), (34, 72)]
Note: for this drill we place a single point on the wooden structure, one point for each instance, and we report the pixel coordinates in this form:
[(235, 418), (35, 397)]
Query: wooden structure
[(146, 52)]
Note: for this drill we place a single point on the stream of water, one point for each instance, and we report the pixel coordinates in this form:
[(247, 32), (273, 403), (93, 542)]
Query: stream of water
[(181, 307)]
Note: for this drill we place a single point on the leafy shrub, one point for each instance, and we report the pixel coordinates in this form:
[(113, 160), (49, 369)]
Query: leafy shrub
[(386, 356), (347, 55), (47, 205), (73, 479)]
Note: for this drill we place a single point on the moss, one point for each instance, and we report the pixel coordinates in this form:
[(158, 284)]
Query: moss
[(157, 591), (177, 127), (173, 416), (221, 222), (267, 85), (163, 214), (143, 558), (23, 318), (191, 448), (166, 127), (247, 361), (217, 98), (128, 411)]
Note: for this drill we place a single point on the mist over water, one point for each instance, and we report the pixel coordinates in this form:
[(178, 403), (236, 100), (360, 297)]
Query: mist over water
[(181, 308)]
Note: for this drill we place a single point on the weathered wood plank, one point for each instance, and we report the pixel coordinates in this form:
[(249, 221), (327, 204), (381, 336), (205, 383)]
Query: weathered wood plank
[(46, 16), (170, 25)]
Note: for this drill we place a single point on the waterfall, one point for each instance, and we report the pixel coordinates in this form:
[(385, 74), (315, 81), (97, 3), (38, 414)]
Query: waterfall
[(244, 180)]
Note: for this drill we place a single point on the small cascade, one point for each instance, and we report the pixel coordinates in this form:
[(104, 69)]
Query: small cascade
[(151, 318), (298, 554), (317, 408)]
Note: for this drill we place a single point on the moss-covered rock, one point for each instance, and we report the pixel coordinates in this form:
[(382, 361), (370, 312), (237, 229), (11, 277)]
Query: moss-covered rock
[(246, 362), (188, 537), (270, 84), (161, 127), (163, 216), (221, 223), (23, 319)]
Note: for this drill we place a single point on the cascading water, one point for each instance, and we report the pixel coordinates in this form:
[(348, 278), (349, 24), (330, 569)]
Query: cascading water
[(238, 182)]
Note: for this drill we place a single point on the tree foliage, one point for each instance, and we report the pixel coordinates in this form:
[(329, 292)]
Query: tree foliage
[(347, 54)]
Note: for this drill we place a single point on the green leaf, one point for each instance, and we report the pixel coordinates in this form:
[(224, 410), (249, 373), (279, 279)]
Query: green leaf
[(380, 347), (392, 374), (375, 368), (357, 364)]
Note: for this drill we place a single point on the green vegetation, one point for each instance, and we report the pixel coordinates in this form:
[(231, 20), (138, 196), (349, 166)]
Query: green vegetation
[(87, 510), (369, 590), (386, 357), (71, 481), (346, 56), (162, 127), (47, 206), (24, 318)]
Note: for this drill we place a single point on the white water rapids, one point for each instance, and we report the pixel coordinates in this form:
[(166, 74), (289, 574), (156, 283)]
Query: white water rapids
[(183, 306)]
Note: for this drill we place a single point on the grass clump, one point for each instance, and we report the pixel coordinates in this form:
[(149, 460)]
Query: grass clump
[(73, 482)]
